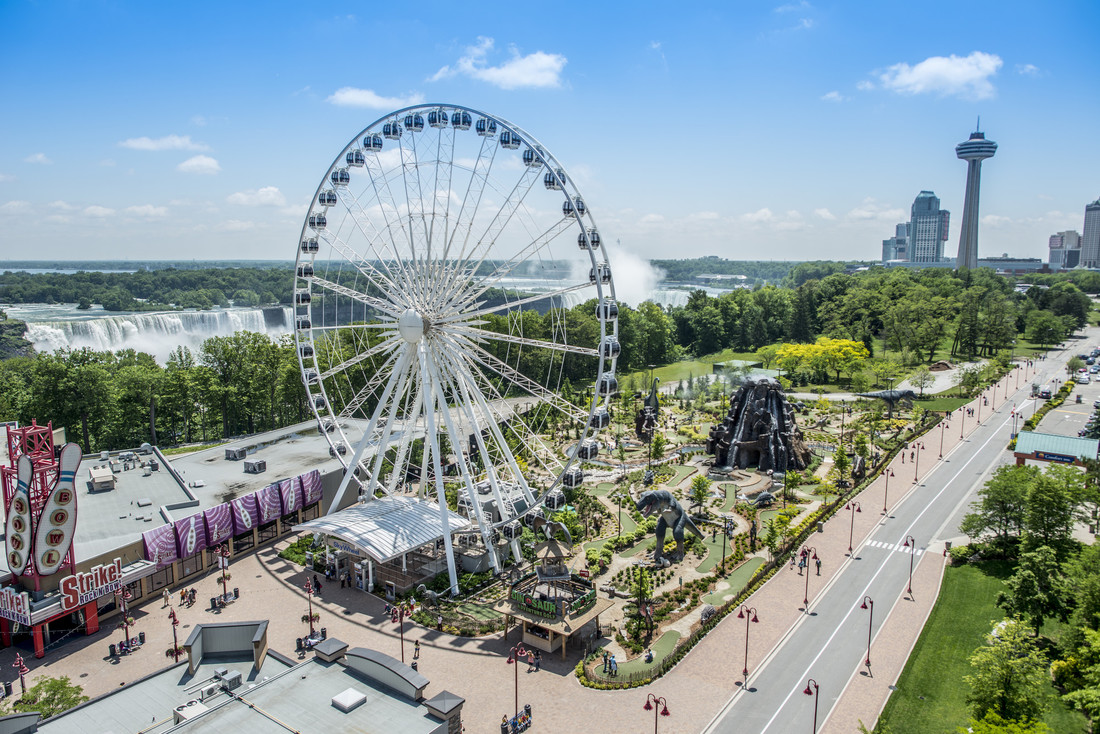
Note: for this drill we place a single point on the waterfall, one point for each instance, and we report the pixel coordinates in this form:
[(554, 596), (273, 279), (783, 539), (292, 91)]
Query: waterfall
[(157, 333)]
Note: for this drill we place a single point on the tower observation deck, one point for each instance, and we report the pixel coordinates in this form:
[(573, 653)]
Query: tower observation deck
[(973, 151)]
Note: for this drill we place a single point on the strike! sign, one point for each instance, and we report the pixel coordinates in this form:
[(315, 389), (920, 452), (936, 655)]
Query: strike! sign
[(81, 588)]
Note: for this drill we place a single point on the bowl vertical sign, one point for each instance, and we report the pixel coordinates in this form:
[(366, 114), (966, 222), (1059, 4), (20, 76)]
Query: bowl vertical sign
[(19, 519), (57, 522)]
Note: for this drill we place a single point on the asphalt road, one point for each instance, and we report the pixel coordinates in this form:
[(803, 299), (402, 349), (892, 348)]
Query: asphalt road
[(830, 641)]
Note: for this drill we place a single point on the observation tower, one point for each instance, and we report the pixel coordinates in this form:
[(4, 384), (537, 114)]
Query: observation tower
[(973, 151)]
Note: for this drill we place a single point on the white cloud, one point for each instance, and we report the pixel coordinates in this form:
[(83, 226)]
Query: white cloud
[(793, 7), (825, 214), (538, 69), (869, 209), (865, 86), (760, 215), (15, 207), (267, 196), (833, 96), (960, 76), (6, 177), (651, 219), (198, 121), (147, 211), (994, 220), (168, 142), (237, 225), (98, 212), (1027, 69), (62, 206), (353, 97), (203, 164), (39, 158), (703, 216)]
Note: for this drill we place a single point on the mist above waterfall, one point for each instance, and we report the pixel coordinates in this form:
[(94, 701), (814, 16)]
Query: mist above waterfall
[(51, 328)]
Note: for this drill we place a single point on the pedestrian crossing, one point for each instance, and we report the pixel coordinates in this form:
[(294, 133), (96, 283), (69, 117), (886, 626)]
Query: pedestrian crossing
[(899, 547)]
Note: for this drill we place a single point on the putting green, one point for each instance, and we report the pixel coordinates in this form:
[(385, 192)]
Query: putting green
[(736, 580), (661, 649)]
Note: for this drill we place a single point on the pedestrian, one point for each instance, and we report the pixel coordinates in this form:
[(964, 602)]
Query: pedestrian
[(792, 563), (183, 596), (801, 564), (316, 583), (605, 661), (166, 598), (538, 660), (911, 454), (439, 623), (530, 661), (713, 533), (416, 650), (818, 566)]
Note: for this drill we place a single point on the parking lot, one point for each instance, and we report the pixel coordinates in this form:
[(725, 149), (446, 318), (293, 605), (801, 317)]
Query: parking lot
[(1070, 417)]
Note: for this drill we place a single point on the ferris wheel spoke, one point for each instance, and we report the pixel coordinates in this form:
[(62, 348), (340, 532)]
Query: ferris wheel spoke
[(414, 203), (388, 406), (482, 334), (388, 283), (362, 222), (471, 200), (352, 327), (384, 196), (503, 215), (389, 345), (408, 431), (373, 383), (480, 356), (378, 304), (511, 305)]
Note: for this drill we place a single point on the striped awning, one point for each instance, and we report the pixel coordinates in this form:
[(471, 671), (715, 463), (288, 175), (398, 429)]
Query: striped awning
[(387, 527)]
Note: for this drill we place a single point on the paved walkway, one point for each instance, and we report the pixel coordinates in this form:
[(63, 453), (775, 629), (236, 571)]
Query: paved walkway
[(476, 669)]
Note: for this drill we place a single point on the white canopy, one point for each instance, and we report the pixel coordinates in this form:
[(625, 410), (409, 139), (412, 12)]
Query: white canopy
[(386, 527)]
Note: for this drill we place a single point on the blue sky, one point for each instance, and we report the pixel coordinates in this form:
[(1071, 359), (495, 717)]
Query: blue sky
[(748, 130)]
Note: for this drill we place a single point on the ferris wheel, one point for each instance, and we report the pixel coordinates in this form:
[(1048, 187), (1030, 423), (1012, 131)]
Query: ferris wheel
[(435, 276)]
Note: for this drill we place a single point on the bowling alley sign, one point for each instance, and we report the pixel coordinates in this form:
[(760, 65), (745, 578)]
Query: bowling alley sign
[(38, 542)]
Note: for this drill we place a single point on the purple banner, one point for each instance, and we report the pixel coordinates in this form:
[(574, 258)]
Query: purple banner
[(190, 535), (160, 545), (245, 516), (219, 523), (268, 503), (291, 494), (311, 487)]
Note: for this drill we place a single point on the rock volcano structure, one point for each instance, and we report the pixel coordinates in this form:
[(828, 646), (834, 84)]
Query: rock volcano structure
[(759, 430)]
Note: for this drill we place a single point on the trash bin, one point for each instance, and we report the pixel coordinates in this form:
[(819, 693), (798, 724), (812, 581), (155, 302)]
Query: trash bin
[(324, 633), (7, 688), (213, 602), (414, 665), (141, 638), (113, 650), (820, 527), (527, 709), (236, 593), (298, 644), (504, 726)]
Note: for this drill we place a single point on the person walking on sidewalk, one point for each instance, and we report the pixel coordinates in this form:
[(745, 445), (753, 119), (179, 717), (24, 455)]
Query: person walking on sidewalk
[(538, 660), (416, 650), (818, 562)]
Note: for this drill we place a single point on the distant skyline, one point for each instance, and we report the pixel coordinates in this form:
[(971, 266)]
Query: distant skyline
[(784, 130)]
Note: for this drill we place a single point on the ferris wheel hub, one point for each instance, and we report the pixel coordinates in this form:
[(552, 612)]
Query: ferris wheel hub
[(411, 325)]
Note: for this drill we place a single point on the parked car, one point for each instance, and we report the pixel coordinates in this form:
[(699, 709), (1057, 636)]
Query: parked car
[(1083, 379), (1096, 404), (1094, 369)]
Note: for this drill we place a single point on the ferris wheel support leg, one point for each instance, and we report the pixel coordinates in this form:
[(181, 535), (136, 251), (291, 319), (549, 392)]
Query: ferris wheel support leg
[(517, 555), (440, 493), (467, 478), (349, 470)]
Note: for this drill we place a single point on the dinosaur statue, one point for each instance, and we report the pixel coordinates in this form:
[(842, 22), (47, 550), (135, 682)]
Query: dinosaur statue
[(661, 503), (430, 597), (764, 499), (891, 398)]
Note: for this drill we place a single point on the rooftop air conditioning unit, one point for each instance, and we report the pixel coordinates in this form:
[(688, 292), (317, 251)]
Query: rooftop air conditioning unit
[(255, 466), (231, 680), (187, 711), (208, 691), (235, 454)]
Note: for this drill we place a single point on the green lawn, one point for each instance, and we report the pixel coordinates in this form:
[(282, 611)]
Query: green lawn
[(931, 694), (661, 649), (941, 403), (737, 579), (687, 368)]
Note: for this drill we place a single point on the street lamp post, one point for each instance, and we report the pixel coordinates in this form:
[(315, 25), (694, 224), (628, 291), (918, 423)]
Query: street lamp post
[(814, 693), (652, 703), (22, 669), (869, 604), (749, 614), (852, 507), (401, 612), (911, 544), (222, 552), (309, 598), (125, 596), (175, 641), (843, 413), (916, 463), (724, 521), (943, 424), (513, 659), (886, 473), (808, 554)]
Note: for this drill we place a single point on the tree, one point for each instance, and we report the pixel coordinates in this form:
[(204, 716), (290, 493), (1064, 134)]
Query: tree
[(51, 696), (991, 723), (999, 510), (1009, 675), (922, 377), (657, 445), (842, 465), (641, 588), (1051, 509), (1045, 328), (1037, 590), (1073, 364), (700, 490)]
